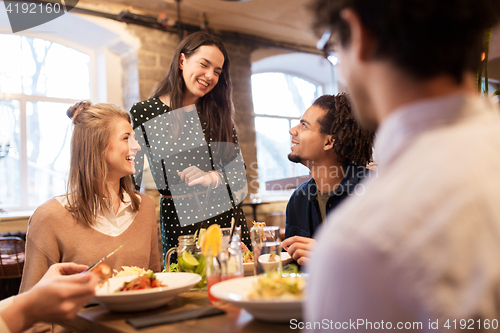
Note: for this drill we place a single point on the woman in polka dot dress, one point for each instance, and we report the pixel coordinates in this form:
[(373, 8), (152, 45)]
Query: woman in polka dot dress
[(187, 134)]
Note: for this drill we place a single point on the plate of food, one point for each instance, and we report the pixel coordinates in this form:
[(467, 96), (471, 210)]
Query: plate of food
[(143, 292), (248, 261), (273, 298)]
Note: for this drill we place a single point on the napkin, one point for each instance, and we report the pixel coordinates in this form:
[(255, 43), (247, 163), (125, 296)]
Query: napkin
[(166, 318)]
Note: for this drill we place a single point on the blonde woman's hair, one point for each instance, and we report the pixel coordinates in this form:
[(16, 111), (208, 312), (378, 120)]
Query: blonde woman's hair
[(86, 189)]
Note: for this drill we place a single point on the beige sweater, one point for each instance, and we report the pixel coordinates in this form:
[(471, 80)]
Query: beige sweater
[(55, 236)]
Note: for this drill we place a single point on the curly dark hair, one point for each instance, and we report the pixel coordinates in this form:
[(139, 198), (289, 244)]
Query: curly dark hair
[(425, 38), (352, 142)]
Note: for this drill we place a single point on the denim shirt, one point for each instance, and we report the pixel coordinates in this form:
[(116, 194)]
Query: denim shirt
[(303, 216)]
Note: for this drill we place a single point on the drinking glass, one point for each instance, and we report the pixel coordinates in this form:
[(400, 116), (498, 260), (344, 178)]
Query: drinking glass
[(266, 243), (189, 258), (228, 264)]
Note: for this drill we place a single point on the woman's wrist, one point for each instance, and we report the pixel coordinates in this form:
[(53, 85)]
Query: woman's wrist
[(216, 179)]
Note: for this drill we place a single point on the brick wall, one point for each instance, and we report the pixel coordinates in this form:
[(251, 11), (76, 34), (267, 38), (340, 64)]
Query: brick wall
[(241, 73), (153, 57)]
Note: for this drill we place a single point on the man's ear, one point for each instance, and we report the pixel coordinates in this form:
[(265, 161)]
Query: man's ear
[(329, 143), (362, 41), (182, 59)]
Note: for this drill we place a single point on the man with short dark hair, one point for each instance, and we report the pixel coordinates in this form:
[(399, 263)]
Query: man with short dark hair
[(328, 141), (420, 249)]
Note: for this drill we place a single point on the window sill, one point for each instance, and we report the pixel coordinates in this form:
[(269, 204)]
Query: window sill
[(281, 189), (274, 196), (15, 215)]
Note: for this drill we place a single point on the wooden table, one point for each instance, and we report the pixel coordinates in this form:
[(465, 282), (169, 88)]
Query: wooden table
[(98, 319)]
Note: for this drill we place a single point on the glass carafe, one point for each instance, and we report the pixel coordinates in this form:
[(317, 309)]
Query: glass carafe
[(189, 258)]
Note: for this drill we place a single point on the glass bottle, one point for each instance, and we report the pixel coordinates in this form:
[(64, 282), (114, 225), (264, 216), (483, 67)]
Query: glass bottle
[(228, 264)]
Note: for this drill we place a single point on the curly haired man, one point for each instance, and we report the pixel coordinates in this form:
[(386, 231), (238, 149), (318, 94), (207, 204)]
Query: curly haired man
[(328, 141)]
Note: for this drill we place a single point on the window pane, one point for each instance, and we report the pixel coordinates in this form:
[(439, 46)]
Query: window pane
[(307, 91), (10, 64), (49, 136), (272, 148), (35, 66), (10, 164), (68, 73), (272, 96), (280, 94)]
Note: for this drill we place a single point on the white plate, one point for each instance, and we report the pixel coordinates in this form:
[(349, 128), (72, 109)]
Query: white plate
[(235, 292), (285, 260), (138, 300)]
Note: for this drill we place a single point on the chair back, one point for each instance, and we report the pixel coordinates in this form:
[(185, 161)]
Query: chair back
[(11, 257)]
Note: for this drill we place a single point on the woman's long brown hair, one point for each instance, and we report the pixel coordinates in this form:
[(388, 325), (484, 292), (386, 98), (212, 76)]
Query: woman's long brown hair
[(216, 107), (86, 189)]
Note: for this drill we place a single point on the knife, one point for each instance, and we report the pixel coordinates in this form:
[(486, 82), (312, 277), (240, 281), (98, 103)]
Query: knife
[(94, 265)]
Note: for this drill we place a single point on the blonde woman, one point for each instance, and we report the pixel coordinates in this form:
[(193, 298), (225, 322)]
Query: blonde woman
[(101, 209)]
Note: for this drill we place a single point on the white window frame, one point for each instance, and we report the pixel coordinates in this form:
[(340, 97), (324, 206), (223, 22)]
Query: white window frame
[(102, 40), (24, 99), (23, 160)]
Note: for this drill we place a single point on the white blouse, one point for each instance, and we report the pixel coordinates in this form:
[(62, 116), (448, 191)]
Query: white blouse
[(109, 223)]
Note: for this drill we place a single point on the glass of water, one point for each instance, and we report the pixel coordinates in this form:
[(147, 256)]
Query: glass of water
[(266, 243)]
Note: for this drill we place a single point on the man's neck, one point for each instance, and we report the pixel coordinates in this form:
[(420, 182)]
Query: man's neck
[(396, 90), (328, 175)]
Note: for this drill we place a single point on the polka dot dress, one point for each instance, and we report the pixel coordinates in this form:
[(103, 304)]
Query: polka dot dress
[(171, 142)]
